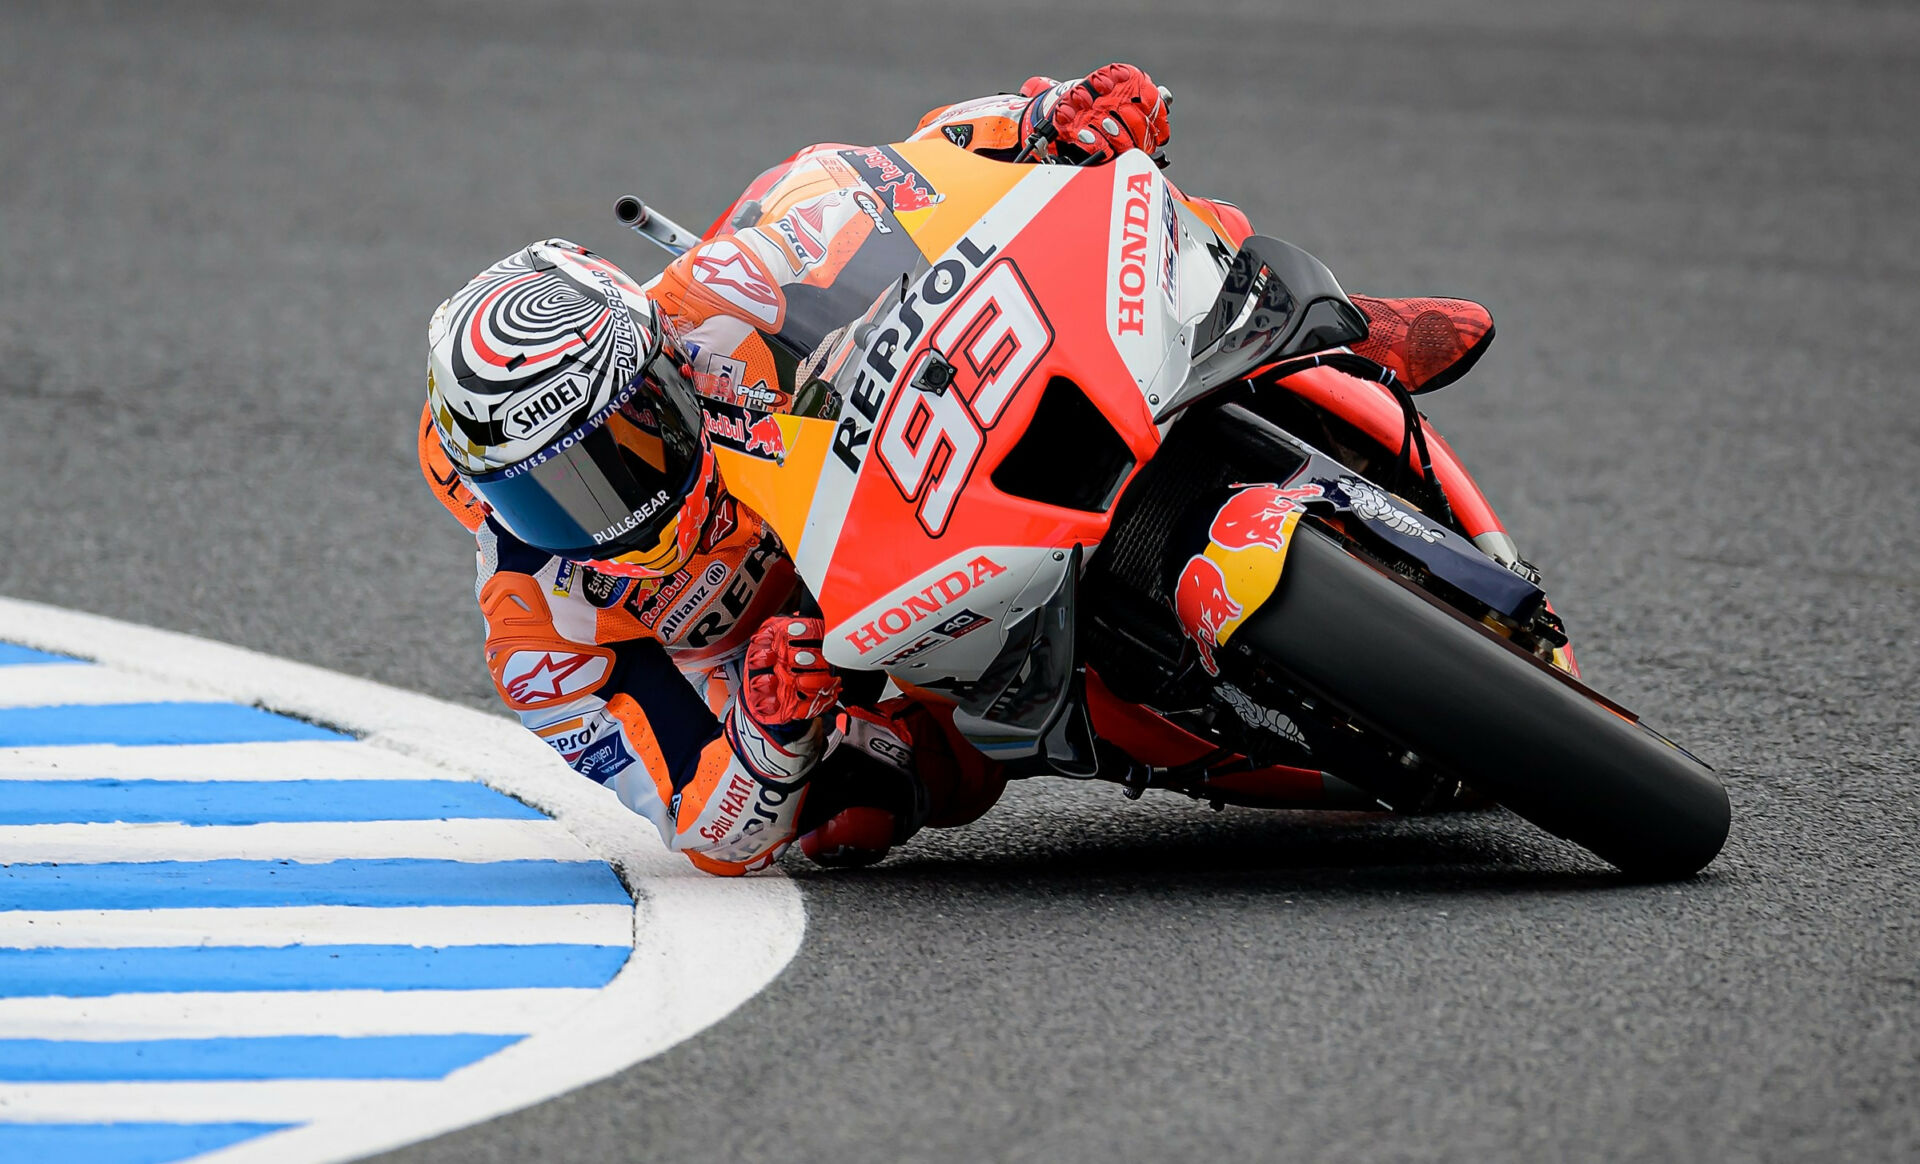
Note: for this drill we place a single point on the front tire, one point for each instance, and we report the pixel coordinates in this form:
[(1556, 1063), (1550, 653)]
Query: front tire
[(1463, 698)]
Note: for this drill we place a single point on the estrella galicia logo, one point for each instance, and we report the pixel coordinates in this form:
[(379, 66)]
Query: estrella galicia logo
[(602, 590)]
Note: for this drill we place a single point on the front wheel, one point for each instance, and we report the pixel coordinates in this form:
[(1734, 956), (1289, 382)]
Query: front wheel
[(1461, 697)]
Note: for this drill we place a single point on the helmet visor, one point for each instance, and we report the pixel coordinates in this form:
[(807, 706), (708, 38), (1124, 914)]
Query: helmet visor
[(612, 485)]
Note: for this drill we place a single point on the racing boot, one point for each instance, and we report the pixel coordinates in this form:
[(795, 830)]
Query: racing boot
[(852, 837), (866, 796), (1429, 343)]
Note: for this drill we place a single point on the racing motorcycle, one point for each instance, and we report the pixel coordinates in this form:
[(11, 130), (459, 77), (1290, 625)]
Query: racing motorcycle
[(1060, 454)]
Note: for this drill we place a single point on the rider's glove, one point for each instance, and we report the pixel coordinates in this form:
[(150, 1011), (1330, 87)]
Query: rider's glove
[(787, 677), (1110, 111)]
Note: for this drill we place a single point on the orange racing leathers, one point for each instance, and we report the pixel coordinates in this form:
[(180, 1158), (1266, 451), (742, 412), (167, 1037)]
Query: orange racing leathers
[(633, 681), (636, 683)]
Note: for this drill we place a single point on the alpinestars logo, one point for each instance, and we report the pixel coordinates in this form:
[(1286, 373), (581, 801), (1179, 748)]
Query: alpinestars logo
[(545, 676), (729, 271)]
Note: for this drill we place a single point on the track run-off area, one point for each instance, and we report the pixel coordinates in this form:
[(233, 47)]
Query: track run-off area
[(253, 911)]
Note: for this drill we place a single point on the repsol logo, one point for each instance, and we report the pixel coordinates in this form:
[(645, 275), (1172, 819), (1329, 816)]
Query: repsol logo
[(733, 601), (894, 342), (924, 604), (1131, 282), (551, 404)]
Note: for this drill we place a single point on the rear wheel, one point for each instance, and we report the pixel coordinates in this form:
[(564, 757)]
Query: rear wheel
[(1464, 699)]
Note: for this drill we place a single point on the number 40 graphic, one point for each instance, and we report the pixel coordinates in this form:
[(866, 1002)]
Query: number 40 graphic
[(929, 442)]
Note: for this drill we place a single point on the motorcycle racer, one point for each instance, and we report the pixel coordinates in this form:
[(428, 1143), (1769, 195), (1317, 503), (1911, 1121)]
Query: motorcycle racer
[(646, 625), (642, 623)]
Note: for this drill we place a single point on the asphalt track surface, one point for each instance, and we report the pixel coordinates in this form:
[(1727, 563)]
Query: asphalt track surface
[(222, 228)]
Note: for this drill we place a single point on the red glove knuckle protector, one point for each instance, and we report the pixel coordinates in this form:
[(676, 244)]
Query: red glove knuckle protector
[(787, 674), (1115, 109)]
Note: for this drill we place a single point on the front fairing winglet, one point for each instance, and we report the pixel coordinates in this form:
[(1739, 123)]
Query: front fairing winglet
[(1275, 301), (1016, 708)]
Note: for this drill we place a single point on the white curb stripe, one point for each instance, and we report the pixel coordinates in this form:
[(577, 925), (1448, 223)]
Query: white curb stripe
[(320, 925), (301, 841), (72, 684), (703, 945), (706, 945), (257, 1013), (291, 760), (247, 1101)]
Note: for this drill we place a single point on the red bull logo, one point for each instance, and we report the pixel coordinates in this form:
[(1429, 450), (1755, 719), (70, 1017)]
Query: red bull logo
[(904, 188), (737, 429), (1204, 606), (908, 196), (881, 161), (1238, 571), (764, 437), (726, 428), (1260, 516)]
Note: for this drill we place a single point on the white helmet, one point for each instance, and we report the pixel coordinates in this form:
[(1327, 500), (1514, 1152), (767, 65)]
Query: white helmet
[(568, 410)]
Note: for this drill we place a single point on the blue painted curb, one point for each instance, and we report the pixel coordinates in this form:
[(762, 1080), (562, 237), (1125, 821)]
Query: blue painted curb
[(243, 802), (84, 973)]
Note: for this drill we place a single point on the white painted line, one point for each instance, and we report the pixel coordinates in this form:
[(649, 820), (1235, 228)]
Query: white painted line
[(241, 1014), (49, 684), (320, 925), (301, 841), (292, 760), (273, 1102), (703, 945)]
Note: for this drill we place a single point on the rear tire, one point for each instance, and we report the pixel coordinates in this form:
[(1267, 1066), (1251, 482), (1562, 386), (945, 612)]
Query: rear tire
[(1461, 697)]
